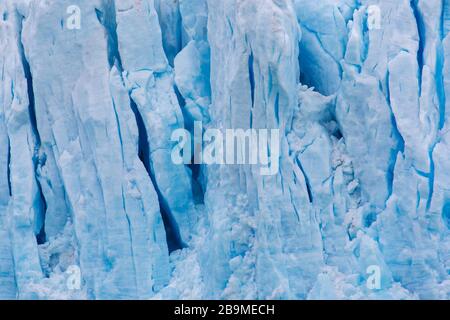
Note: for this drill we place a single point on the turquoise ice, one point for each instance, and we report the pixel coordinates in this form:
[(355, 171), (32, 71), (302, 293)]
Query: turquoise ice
[(360, 91)]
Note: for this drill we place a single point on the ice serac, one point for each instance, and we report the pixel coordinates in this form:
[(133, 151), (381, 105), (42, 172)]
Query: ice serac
[(365, 119), (441, 199), (169, 17), (87, 158), (415, 168), (7, 283), (440, 202), (400, 61), (149, 79)]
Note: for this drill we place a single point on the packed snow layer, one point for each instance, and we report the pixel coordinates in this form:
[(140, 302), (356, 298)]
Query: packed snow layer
[(93, 207)]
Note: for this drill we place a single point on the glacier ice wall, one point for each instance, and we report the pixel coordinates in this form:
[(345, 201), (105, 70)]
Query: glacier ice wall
[(358, 89)]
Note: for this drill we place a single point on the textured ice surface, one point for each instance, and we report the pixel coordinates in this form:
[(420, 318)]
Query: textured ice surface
[(359, 90)]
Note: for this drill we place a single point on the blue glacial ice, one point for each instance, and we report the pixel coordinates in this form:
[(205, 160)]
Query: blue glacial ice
[(360, 91)]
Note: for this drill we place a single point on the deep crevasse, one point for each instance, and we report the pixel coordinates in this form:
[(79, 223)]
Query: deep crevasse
[(86, 177)]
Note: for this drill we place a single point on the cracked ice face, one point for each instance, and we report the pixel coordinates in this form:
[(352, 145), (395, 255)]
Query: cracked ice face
[(93, 206)]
